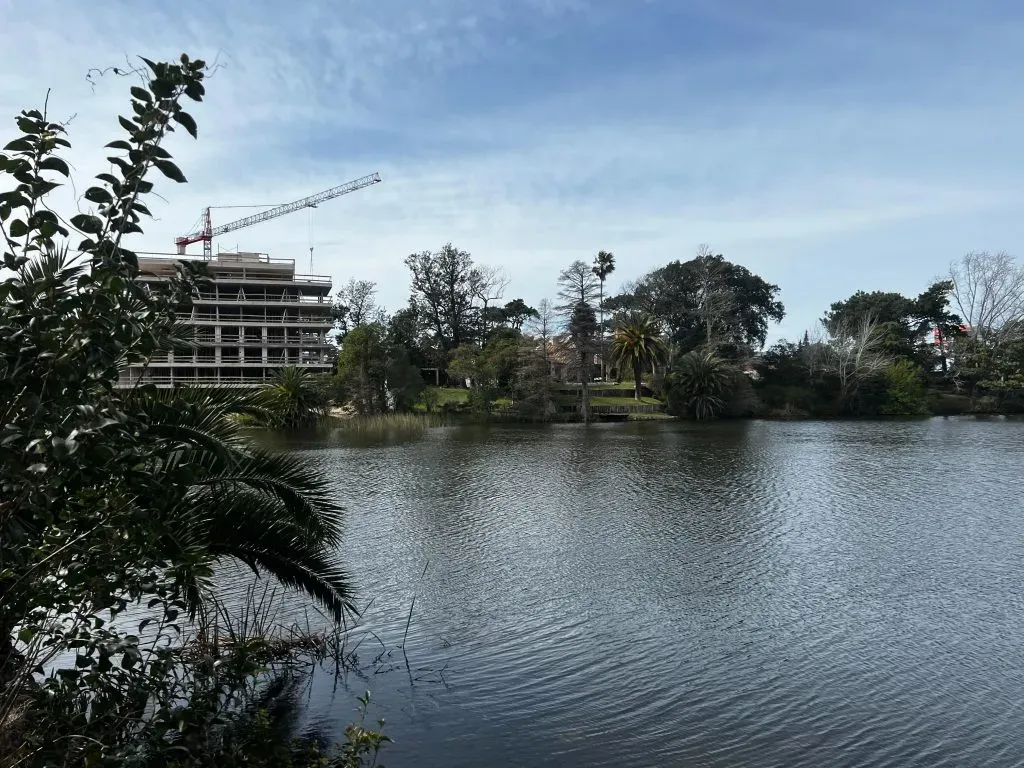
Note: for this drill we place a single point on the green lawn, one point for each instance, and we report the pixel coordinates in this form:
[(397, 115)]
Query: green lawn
[(458, 395), (452, 395), (624, 401), (612, 385)]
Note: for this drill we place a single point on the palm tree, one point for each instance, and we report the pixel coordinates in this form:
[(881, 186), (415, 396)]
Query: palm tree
[(604, 265), (295, 399), (637, 344), (703, 382), (235, 501)]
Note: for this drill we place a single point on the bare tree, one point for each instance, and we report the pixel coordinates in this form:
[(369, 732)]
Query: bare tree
[(359, 296), (535, 362), (543, 325), (715, 299), (577, 285), (988, 291), (853, 354), (487, 284)]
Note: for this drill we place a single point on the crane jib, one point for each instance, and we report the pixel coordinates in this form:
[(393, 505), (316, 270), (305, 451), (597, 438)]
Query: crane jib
[(307, 202)]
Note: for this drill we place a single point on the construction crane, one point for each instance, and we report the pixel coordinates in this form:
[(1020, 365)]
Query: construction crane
[(208, 232)]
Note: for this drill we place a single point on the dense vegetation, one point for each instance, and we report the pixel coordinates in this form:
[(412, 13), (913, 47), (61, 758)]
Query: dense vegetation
[(692, 334), (117, 505)]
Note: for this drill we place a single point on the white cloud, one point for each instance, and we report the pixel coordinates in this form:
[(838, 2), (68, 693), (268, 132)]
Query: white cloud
[(797, 184)]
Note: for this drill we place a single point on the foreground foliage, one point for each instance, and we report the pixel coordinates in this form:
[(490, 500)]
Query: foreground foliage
[(116, 505)]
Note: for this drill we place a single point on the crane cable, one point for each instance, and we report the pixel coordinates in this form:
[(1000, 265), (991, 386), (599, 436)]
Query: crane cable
[(312, 209)]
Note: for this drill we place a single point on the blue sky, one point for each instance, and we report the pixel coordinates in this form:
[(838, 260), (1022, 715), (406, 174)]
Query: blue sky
[(827, 146)]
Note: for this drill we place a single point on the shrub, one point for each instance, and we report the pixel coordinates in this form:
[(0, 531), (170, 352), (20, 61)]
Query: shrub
[(905, 394), (700, 386), (113, 499)]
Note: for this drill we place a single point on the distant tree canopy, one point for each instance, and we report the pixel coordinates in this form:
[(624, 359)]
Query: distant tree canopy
[(706, 301), (517, 312), (443, 284), (903, 325)]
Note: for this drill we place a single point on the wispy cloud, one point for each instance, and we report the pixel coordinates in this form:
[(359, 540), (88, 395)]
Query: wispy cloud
[(827, 148)]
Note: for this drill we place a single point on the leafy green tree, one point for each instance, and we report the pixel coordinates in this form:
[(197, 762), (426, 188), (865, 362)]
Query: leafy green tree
[(890, 315), (700, 386), (707, 297), (583, 337), (404, 382), (443, 287), (491, 369), (517, 312), (491, 318), (403, 332), (363, 368), (905, 393), (637, 345), (123, 497), (476, 364), (933, 313)]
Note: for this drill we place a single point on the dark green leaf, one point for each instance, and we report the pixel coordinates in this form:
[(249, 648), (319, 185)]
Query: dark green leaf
[(187, 122), (141, 94), (18, 228), (170, 170), (19, 145), (162, 89), (119, 144), (55, 164), (90, 225), (98, 195)]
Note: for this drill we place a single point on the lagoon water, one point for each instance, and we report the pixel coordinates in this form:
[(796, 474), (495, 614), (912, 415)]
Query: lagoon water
[(672, 594)]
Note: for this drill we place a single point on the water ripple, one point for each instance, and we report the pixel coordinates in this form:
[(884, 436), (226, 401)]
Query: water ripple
[(759, 594)]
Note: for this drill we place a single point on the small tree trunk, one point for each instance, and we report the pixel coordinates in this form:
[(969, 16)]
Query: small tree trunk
[(584, 389), (638, 382), (600, 307)]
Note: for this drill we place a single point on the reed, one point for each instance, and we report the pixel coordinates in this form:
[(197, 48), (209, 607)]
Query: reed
[(389, 424)]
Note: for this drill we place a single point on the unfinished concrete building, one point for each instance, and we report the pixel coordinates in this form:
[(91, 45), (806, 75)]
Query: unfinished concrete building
[(257, 316)]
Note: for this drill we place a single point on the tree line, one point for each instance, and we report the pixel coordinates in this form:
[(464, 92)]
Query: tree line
[(692, 333)]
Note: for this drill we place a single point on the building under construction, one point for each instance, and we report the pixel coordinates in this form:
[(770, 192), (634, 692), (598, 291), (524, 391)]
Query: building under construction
[(255, 316)]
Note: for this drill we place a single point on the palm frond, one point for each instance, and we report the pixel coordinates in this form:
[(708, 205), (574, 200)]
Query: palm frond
[(248, 525), (303, 493)]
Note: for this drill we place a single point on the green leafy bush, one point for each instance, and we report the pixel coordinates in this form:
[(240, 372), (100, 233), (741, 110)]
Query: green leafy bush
[(905, 393), (118, 502)]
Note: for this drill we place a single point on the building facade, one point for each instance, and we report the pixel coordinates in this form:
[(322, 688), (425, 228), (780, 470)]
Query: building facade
[(255, 317)]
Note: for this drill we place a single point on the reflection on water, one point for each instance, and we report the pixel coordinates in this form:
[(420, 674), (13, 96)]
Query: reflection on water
[(765, 594)]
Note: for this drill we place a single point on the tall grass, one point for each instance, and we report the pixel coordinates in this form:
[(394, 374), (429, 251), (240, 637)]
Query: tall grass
[(389, 424)]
